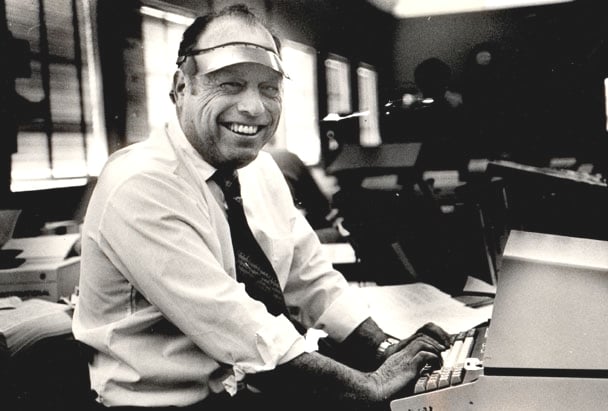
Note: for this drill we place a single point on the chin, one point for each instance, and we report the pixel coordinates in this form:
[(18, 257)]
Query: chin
[(244, 159)]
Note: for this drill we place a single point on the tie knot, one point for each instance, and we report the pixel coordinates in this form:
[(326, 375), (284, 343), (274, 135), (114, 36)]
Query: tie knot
[(228, 181)]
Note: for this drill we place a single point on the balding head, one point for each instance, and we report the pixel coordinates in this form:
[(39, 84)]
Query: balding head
[(225, 27)]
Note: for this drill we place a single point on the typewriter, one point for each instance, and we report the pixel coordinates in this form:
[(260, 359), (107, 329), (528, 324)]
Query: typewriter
[(461, 362), (545, 346)]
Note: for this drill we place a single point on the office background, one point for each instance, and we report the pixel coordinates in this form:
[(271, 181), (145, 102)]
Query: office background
[(554, 60), (86, 78)]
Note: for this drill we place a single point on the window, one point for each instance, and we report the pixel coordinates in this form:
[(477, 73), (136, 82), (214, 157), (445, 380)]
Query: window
[(60, 140), (606, 100), (337, 74), (417, 8), (162, 33), (298, 131), (367, 79)]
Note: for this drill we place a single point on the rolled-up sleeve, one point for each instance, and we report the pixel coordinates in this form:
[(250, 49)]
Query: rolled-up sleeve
[(344, 315), (324, 298)]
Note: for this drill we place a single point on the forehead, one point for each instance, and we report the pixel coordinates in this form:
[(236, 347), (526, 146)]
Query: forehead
[(228, 29), (248, 71)]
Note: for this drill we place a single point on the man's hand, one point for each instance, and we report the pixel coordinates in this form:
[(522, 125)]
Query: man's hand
[(405, 359), (429, 329), (318, 379)]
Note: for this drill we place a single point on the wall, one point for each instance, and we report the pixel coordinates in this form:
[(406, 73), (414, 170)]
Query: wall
[(355, 30), (554, 65), (448, 37), (568, 31)]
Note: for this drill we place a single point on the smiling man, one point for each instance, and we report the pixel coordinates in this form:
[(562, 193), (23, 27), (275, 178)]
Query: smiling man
[(228, 111), (199, 276)]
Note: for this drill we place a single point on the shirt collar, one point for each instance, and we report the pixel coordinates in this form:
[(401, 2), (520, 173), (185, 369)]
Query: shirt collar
[(184, 148)]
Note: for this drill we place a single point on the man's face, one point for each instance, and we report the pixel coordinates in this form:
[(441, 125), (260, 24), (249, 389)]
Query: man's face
[(483, 58), (228, 115)]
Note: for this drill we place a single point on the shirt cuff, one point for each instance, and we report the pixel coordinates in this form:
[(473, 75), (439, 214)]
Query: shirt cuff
[(345, 314), (279, 347), (276, 343)]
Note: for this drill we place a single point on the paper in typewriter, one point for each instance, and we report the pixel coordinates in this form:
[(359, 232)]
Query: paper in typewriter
[(401, 309)]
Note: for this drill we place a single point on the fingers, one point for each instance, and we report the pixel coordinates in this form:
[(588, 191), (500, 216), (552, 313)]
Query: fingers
[(424, 343), (410, 366), (403, 358), (431, 330), (437, 346), (401, 370), (436, 332), (424, 358)]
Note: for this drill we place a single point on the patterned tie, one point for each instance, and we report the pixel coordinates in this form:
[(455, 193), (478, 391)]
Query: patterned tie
[(252, 266)]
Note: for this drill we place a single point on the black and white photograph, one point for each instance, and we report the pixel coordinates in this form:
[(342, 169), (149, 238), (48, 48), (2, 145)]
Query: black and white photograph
[(296, 205)]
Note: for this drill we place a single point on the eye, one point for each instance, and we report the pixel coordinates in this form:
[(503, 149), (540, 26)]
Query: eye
[(270, 90), (231, 86)]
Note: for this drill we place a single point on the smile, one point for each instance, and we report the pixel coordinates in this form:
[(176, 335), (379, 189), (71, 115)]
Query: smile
[(243, 129)]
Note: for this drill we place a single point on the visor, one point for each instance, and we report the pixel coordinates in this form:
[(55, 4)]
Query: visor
[(215, 58)]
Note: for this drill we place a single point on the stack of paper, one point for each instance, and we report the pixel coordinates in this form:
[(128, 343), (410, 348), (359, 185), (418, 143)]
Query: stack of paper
[(22, 323)]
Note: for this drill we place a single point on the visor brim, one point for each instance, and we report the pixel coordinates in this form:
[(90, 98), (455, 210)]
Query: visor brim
[(220, 57)]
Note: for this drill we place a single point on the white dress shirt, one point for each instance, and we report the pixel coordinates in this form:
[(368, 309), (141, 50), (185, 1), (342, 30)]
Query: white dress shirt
[(158, 297)]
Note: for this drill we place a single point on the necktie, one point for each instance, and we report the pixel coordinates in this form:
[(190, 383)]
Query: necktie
[(252, 266)]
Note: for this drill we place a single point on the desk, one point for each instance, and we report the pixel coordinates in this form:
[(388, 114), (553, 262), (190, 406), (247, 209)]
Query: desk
[(557, 201), (48, 271), (48, 280), (354, 163), (51, 375), (383, 159)]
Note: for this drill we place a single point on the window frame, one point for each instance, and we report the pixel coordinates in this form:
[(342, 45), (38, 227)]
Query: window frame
[(74, 149), (369, 124)]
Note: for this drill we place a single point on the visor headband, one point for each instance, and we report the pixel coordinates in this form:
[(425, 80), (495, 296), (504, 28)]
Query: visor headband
[(215, 58)]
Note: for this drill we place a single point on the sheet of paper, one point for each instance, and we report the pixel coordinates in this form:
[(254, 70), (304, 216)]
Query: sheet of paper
[(339, 253), (45, 247), (475, 285), (9, 303), (401, 309), (8, 221)]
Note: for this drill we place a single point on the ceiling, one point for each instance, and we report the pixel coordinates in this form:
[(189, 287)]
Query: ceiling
[(419, 8)]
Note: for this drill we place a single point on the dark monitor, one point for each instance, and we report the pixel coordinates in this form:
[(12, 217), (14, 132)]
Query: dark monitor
[(382, 159), (554, 201)]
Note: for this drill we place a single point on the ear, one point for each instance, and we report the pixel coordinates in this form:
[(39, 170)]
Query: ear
[(179, 85)]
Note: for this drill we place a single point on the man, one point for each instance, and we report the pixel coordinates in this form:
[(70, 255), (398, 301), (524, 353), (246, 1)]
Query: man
[(160, 304)]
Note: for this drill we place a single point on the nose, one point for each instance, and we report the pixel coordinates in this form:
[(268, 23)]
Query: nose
[(251, 102)]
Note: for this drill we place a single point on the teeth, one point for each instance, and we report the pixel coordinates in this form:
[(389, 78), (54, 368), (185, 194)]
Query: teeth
[(243, 129)]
